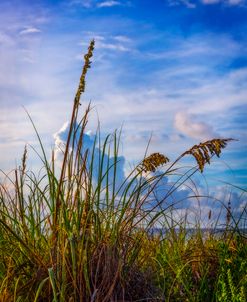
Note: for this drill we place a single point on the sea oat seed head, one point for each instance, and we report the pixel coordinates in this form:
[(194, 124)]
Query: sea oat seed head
[(152, 162)]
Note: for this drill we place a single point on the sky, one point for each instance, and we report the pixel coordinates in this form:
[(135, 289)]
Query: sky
[(172, 70)]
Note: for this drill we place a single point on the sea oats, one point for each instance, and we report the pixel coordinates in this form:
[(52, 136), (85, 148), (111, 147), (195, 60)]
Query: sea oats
[(87, 65), (204, 151), (152, 162)]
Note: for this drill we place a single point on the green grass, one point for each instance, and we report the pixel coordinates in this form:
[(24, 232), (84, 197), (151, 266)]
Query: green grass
[(66, 237)]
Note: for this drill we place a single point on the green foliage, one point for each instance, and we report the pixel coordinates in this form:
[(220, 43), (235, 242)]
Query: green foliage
[(232, 280)]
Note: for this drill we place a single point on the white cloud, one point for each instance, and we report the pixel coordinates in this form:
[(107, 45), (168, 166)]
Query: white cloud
[(111, 46), (108, 3), (30, 30), (210, 45), (96, 3), (58, 141), (60, 138), (107, 42), (122, 39), (188, 125)]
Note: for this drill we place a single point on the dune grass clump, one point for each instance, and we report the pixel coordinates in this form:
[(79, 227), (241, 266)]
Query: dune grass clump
[(68, 236)]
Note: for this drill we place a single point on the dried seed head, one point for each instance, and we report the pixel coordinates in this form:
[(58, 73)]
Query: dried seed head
[(204, 151), (228, 214), (24, 159), (152, 162), (87, 65)]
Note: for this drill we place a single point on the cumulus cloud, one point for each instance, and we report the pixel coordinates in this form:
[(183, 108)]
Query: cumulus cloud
[(188, 125), (60, 138), (181, 199)]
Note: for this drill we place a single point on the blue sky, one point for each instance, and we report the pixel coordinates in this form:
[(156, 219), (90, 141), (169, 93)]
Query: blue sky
[(176, 69)]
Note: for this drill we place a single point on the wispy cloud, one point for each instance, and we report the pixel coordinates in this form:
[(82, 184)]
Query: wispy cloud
[(108, 42), (108, 3), (188, 3), (122, 39), (98, 4), (111, 46), (192, 4), (30, 30), (198, 47), (228, 2), (210, 1), (83, 3)]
